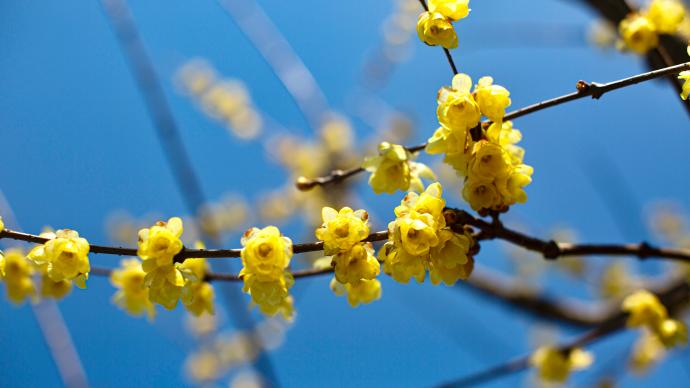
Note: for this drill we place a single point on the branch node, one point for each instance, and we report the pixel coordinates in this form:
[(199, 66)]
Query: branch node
[(551, 250), (305, 184), (644, 250)]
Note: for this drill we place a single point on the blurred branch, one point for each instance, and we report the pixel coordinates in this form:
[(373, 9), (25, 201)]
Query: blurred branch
[(584, 89), (175, 151), (503, 289), (152, 91), (279, 55), (673, 297)]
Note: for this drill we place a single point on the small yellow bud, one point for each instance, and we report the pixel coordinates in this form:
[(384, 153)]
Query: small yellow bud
[(555, 365)]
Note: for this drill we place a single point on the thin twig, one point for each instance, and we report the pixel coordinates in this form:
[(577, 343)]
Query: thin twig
[(584, 89), (552, 250)]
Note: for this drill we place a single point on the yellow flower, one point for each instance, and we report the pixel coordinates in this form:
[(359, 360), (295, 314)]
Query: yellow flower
[(455, 143), (435, 29), (644, 309), (452, 9), (17, 274), (457, 108), (265, 256), (2, 224), (390, 169), (638, 33), (361, 292), (54, 289), (429, 202), (554, 365), (414, 232), (481, 194), (64, 256), (272, 297), (449, 260), (165, 284), (341, 230), (197, 297), (197, 294), (666, 15), (648, 350), (160, 243), (131, 296), (507, 137), (356, 264), (266, 253), (400, 265), (512, 186), (489, 161), (492, 99)]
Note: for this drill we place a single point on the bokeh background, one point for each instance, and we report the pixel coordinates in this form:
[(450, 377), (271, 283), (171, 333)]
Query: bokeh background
[(77, 144)]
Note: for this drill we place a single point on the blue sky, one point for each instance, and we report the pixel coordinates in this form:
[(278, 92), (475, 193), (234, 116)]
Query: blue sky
[(77, 143)]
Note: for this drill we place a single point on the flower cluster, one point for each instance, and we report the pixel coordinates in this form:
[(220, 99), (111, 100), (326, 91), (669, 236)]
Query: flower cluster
[(640, 31), (645, 310), (435, 27), (554, 365), (354, 263), (420, 240), (393, 169), (491, 162), (64, 257), (166, 281), (266, 255), (158, 246)]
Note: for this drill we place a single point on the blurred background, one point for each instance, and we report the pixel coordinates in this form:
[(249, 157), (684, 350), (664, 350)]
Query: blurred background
[(80, 150)]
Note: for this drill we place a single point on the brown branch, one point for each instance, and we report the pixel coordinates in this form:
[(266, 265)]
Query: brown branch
[(673, 297), (552, 250), (584, 89), (455, 218), (185, 253)]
